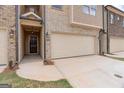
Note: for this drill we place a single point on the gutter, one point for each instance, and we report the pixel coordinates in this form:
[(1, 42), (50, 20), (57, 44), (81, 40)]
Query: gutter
[(114, 8)]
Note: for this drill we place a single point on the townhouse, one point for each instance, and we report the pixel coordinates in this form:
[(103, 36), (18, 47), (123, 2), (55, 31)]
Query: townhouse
[(54, 31), (115, 29)]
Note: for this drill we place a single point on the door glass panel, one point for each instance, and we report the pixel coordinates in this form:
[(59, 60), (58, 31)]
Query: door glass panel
[(33, 44)]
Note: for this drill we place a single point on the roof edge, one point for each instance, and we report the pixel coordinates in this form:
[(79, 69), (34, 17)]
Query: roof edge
[(114, 8)]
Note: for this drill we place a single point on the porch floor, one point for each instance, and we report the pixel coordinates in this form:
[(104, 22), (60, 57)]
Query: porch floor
[(32, 67)]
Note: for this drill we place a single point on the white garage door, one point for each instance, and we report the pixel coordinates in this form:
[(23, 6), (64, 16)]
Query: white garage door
[(71, 45), (116, 44), (3, 47)]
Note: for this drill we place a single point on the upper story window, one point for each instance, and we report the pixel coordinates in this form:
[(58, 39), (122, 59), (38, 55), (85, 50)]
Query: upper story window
[(59, 7), (118, 18), (31, 9), (123, 23), (111, 18), (86, 9), (93, 10), (89, 9)]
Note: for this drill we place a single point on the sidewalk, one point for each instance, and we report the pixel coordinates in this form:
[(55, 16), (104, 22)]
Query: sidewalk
[(32, 67)]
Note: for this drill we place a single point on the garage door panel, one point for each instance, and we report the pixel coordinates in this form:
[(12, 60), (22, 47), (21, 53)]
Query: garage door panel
[(116, 44), (71, 45), (3, 47)]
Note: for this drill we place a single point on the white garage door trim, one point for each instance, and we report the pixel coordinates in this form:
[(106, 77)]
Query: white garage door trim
[(3, 47), (68, 45), (116, 44)]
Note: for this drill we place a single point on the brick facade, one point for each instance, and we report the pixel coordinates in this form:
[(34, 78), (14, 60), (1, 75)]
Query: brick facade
[(7, 22), (115, 29)]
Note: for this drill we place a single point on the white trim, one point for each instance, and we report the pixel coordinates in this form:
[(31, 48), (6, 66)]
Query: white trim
[(31, 13), (69, 33), (86, 25)]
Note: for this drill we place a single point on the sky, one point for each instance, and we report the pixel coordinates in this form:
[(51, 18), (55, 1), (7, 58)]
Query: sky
[(120, 7)]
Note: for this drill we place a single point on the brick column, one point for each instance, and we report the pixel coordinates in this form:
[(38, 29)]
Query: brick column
[(9, 15), (7, 22)]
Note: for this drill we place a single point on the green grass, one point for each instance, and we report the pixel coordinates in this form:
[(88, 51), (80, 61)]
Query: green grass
[(17, 82)]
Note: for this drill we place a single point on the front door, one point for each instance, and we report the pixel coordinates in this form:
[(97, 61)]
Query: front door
[(33, 44)]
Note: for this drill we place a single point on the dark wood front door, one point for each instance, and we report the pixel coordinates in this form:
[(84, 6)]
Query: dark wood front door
[(33, 44)]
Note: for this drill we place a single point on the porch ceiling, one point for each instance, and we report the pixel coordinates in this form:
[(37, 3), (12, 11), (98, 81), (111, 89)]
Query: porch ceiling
[(31, 28)]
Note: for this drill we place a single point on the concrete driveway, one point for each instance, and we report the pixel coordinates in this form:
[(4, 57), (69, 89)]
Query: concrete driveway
[(92, 71)]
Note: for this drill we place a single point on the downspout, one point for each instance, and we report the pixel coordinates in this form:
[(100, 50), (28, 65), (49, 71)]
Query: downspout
[(103, 17), (100, 49), (101, 33), (44, 33), (16, 33), (107, 34), (103, 30)]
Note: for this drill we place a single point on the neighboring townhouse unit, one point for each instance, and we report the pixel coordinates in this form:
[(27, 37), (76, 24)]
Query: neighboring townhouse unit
[(115, 29), (54, 31)]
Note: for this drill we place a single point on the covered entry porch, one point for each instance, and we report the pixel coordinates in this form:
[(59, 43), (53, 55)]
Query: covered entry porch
[(30, 41)]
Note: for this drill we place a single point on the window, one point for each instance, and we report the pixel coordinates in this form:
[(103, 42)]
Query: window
[(86, 9), (89, 9), (118, 18), (111, 18), (59, 7), (123, 23), (31, 9), (93, 10)]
